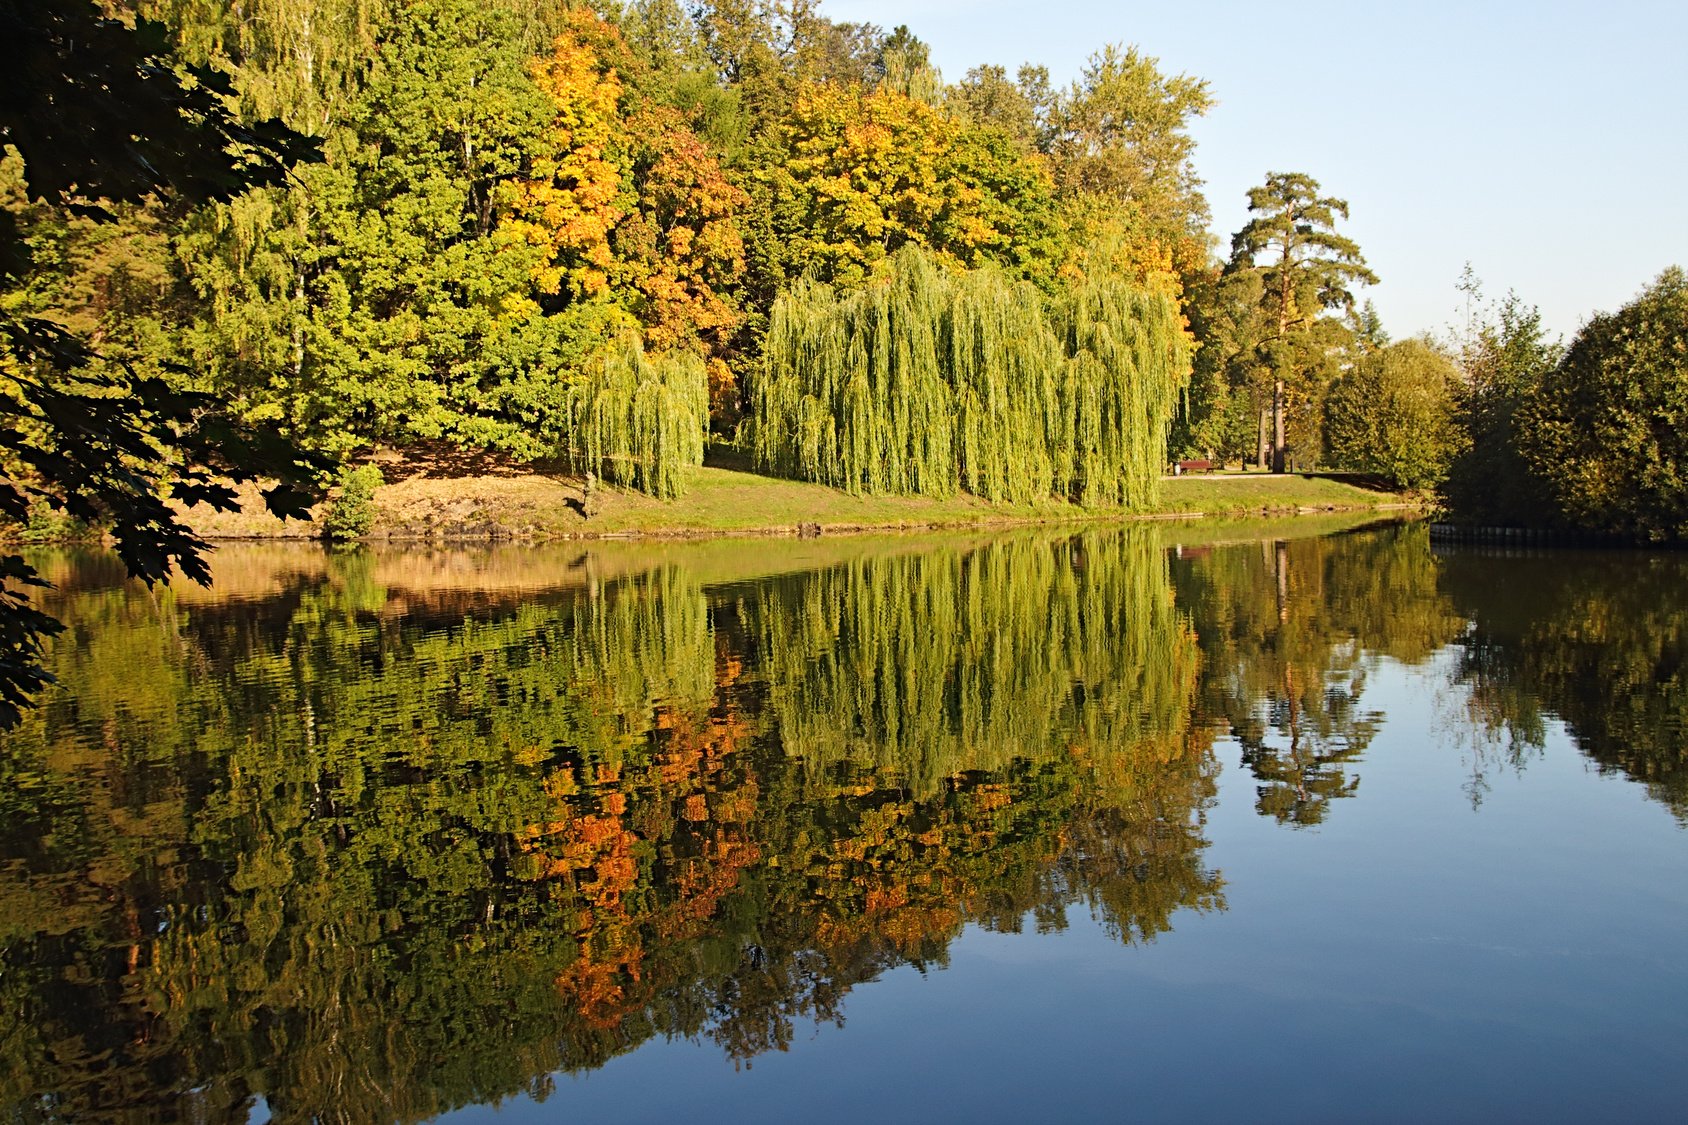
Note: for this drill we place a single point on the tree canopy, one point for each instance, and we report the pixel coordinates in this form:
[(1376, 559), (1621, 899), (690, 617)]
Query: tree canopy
[(1605, 428), (1392, 413)]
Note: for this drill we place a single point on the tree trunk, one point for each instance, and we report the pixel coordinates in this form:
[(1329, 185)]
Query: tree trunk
[(1284, 294), (1279, 447), (1262, 447)]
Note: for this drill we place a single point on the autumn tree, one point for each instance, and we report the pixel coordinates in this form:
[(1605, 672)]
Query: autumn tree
[(627, 205), (867, 173), (576, 189), (1305, 269)]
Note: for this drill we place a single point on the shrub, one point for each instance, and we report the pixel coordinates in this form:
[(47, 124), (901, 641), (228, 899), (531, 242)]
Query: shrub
[(351, 513)]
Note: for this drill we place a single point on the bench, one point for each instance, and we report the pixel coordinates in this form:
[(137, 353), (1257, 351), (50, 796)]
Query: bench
[(1193, 467)]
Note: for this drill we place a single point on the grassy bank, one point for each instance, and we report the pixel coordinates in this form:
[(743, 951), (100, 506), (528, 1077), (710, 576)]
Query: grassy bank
[(514, 503)]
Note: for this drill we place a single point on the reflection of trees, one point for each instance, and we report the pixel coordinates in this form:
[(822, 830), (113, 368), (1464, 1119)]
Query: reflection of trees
[(924, 665), (1598, 640), (373, 862), (1288, 632)]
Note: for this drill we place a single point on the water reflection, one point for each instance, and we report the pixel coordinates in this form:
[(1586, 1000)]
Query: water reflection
[(372, 836), (1597, 640), (1288, 631)]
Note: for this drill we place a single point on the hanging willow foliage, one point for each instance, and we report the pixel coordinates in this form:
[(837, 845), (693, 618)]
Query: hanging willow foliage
[(1128, 356), (926, 381), (933, 665), (641, 420)]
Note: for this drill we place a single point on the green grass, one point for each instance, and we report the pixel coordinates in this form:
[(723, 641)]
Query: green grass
[(725, 500), (1228, 493), (534, 506)]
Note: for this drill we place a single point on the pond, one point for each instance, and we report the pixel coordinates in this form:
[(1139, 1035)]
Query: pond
[(1300, 822)]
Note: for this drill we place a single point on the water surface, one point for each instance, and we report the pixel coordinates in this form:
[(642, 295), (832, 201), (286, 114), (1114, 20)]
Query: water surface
[(1156, 823)]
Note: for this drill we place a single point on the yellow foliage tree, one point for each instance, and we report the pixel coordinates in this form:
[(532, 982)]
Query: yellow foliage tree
[(869, 173), (578, 191)]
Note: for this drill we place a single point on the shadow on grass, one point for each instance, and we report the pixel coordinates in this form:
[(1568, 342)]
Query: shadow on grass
[(1372, 482)]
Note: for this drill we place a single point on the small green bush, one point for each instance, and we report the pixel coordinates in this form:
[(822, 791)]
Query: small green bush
[(48, 525), (351, 513)]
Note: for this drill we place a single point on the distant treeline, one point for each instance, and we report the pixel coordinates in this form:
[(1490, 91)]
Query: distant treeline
[(1588, 438)]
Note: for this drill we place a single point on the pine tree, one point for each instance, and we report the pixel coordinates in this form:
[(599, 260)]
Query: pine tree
[(1305, 268)]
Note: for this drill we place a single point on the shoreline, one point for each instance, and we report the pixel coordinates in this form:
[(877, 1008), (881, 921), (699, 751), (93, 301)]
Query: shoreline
[(536, 508)]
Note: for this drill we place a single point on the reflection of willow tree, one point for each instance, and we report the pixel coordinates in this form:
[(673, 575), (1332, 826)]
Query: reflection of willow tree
[(1288, 632), (1598, 640), (1061, 665), (374, 860), (924, 665)]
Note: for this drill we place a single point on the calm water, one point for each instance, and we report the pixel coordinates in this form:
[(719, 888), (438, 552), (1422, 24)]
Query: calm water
[(1166, 823)]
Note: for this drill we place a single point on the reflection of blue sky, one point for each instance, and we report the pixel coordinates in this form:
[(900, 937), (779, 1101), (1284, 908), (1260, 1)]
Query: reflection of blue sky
[(1541, 142), (1408, 959)]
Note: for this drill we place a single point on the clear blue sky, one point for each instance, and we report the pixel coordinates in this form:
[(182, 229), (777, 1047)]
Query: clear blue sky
[(1545, 143)]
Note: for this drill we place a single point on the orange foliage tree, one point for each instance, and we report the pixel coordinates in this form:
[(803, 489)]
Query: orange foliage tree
[(628, 204)]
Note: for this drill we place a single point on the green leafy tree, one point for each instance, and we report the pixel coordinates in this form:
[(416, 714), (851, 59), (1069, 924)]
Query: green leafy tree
[(904, 66), (1392, 413), (991, 97), (1305, 269), (1367, 328), (1219, 410), (1120, 135), (1503, 356), (925, 380), (1607, 429)]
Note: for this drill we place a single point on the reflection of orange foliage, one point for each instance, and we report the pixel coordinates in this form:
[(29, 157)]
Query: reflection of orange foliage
[(694, 750), (702, 883), (677, 798), (907, 930), (903, 927), (882, 899), (596, 989), (597, 984)]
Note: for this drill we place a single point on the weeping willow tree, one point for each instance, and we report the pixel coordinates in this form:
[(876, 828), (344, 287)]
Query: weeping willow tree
[(1127, 356), (928, 382), (641, 420), (948, 662)]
